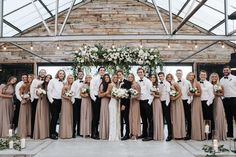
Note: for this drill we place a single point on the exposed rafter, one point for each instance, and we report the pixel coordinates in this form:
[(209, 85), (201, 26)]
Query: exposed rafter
[(45, 7), (189, 16), (185, 4), (12, 26), (217, 25)]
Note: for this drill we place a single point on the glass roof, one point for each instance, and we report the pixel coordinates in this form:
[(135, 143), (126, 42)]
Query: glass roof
[(22, 14)]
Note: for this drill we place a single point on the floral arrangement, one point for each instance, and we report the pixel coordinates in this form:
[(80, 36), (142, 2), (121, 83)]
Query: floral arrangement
[(69, 93), (85, 90), (154, 89), (174, 93), (41, 91), (116, 57), (16, 143), (192, 90), (119, 93), (212, 151), (133, 92), (217, 88), (25, 95)]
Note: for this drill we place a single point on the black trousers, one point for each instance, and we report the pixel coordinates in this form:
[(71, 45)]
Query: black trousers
[(16, 113), (96, 105), (56, 109), (208, 114), (187, 113), (125, 118), (230, 113), (33, 112), (166, 116), (147, 118), (76, 116)]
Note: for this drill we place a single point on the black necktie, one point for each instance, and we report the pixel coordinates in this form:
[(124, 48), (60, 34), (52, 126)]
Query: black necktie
[(202, 82), (140, 80), (179, 81), (161, 82), (226, 77), (81, 81)]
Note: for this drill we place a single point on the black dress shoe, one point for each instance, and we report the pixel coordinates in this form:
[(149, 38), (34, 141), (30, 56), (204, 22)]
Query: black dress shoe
[(169, 138), (73, 136), (56, 134), (124, 138), (141, 136), (187, 138), (54, 137), (147, 139)]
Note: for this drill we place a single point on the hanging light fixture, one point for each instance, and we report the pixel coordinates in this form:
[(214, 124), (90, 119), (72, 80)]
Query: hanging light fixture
[(223, 45), (31, 46), (58, 47), (168, 44), (196, 45), (4, 47)]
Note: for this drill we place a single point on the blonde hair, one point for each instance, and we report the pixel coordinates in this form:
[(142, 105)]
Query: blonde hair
[(68, 77), (212, 74), (194, 80)]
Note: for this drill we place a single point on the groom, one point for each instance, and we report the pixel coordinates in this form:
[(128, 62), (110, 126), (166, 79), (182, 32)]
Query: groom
[(124, 103)]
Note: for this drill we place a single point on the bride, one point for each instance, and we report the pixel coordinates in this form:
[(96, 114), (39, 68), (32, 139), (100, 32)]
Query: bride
[(114, 112)]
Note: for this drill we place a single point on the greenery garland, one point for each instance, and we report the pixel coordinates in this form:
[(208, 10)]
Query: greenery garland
[(116, 57), (4, 142), (212, 152)]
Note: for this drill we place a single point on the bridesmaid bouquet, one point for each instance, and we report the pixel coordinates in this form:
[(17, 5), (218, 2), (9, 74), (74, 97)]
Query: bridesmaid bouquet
[(26, 95), (85, 90), (192, 90), (217, 88), (69, 93), (174, 93), (133, 92), (41, 91), (119, 93), (155, 89)]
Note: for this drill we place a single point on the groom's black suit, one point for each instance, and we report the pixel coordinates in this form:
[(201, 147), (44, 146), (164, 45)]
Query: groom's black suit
[(125, 84)]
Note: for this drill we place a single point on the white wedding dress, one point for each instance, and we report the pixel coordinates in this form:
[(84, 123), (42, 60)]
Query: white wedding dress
[(114, 120)]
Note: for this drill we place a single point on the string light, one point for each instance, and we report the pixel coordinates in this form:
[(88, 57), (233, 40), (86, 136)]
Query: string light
[(168, 44), (196, 46), (4, 47), (140, 46), (223, 45), (31, 46), (58, 47)]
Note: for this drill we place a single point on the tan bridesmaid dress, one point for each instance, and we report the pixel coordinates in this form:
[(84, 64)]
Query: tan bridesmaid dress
[(104, 118), (86, 114), (177, 115), (158, 124), (24, 123), (134, 112), (41, 125), (66, 119), (198, 126), (6, 110)]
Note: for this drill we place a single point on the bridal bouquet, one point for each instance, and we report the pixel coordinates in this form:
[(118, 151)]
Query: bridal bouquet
[(174, 93), (217, 88), (85, 90), (26, 95), (154, 89), (41, 91), (69, 93), (192, 90), (133, 92), (119, 93)]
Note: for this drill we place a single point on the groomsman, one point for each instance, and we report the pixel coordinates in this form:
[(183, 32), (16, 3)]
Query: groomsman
[(185, 85), (125, 105), (164, 88), (24, 79), (229, 84), (76, 101), (54, 96), (145, 105), (96, 101), (207, 97), (34, 97)]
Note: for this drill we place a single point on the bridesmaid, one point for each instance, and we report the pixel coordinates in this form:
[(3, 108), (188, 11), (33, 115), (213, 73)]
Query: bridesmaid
[(218, 108), (41, 125), (158, 124), (66, 119), (197, 132), (86, 109), (104, 111), (134, 112), (177, 109), (6, 106), (24, 123)]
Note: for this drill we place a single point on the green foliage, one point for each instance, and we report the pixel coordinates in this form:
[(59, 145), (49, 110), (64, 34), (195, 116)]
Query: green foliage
[(211, 152)]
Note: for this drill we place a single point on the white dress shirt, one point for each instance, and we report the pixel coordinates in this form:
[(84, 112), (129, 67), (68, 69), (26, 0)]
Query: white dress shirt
[(17, 90), (164, 88), (229, 84), (34, 85), (75, 88), (146, 86), (94, 87), (185, 85), (54, 89), (207, 92)]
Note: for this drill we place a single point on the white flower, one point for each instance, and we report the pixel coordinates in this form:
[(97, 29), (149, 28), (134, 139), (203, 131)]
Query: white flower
[(192, 90), (133, 92), (173, 93), (119, 93), (40, 91), (26, 95), (217, 88), (69, 93)]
